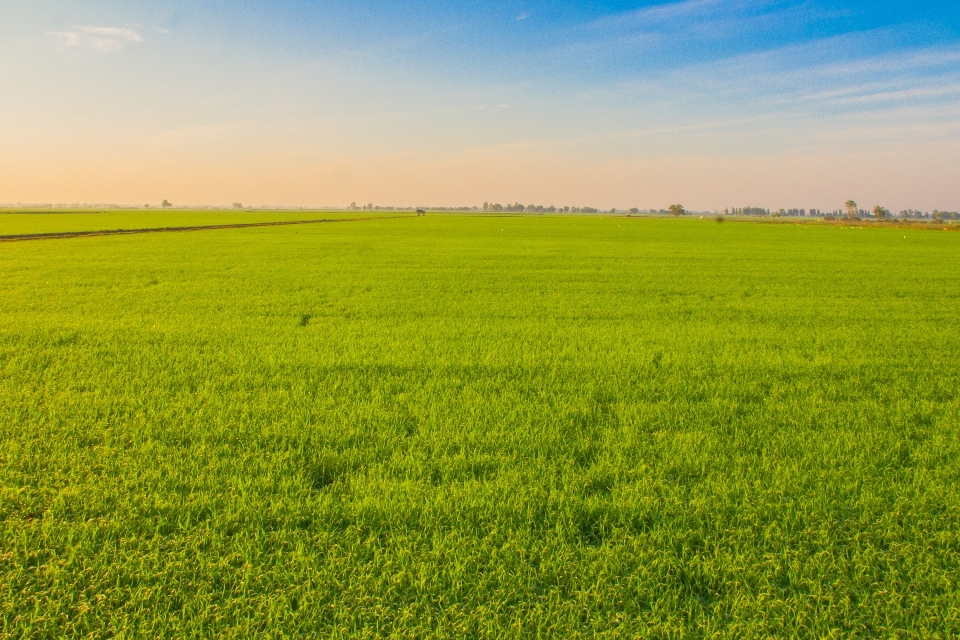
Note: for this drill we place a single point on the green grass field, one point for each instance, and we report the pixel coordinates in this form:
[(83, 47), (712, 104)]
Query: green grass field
[(19, 223), (458, 426)]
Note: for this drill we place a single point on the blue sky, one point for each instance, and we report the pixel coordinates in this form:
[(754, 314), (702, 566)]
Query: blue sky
[(712, 103)]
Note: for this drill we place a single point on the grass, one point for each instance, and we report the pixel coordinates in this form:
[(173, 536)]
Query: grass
[(22, 223), (482, 427)]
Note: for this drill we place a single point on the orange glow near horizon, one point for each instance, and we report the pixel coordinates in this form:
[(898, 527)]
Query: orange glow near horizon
[(468, 179)]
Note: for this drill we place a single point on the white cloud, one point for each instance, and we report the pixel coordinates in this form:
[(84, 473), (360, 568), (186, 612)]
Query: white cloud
[(100, 39), (186, 136), (835, 74), (659, 14), (523, 16), (704, 20), (67, 38)]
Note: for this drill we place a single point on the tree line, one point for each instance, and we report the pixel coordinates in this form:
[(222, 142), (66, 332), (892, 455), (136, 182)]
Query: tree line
[(849, 211), (535, 208), (674, 209)]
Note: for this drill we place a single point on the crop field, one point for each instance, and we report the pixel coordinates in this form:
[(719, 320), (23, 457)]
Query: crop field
[(19, 223), (488, 427)]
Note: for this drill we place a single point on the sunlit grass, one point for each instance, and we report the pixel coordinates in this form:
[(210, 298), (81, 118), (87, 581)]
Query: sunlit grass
[(484, 427), (19, 223)]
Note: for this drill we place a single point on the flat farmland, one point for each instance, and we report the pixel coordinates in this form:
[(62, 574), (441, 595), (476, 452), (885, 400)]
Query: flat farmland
[(22, 223), (456, 426)]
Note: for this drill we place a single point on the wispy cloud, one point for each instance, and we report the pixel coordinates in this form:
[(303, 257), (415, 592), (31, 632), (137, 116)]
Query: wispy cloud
[(185, 136), (843, 70), (894, 91), (690, 21), (798, 75), (100, 39), (523, 16), (667, 13)]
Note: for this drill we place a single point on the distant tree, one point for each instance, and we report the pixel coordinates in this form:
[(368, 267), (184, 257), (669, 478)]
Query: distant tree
[(165, 204), (237, 205), (880, 213), (851, 208), (938, 215), (677, 210), (634, 210), (353, 206)]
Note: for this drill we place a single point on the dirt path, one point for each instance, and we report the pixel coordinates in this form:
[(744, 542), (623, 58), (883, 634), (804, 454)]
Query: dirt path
[(119, 232)]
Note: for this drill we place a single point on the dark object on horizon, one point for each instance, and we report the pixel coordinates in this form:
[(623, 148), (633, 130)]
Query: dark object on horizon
[(421, 212), (852, 210)]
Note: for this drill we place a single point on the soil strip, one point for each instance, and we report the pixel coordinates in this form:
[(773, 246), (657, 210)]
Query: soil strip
[(123, 232)]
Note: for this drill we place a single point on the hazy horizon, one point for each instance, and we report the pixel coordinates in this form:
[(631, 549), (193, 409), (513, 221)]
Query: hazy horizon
[(712, 103)]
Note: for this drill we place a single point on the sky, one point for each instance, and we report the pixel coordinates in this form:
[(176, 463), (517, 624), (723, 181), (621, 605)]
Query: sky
[(707, 103)]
